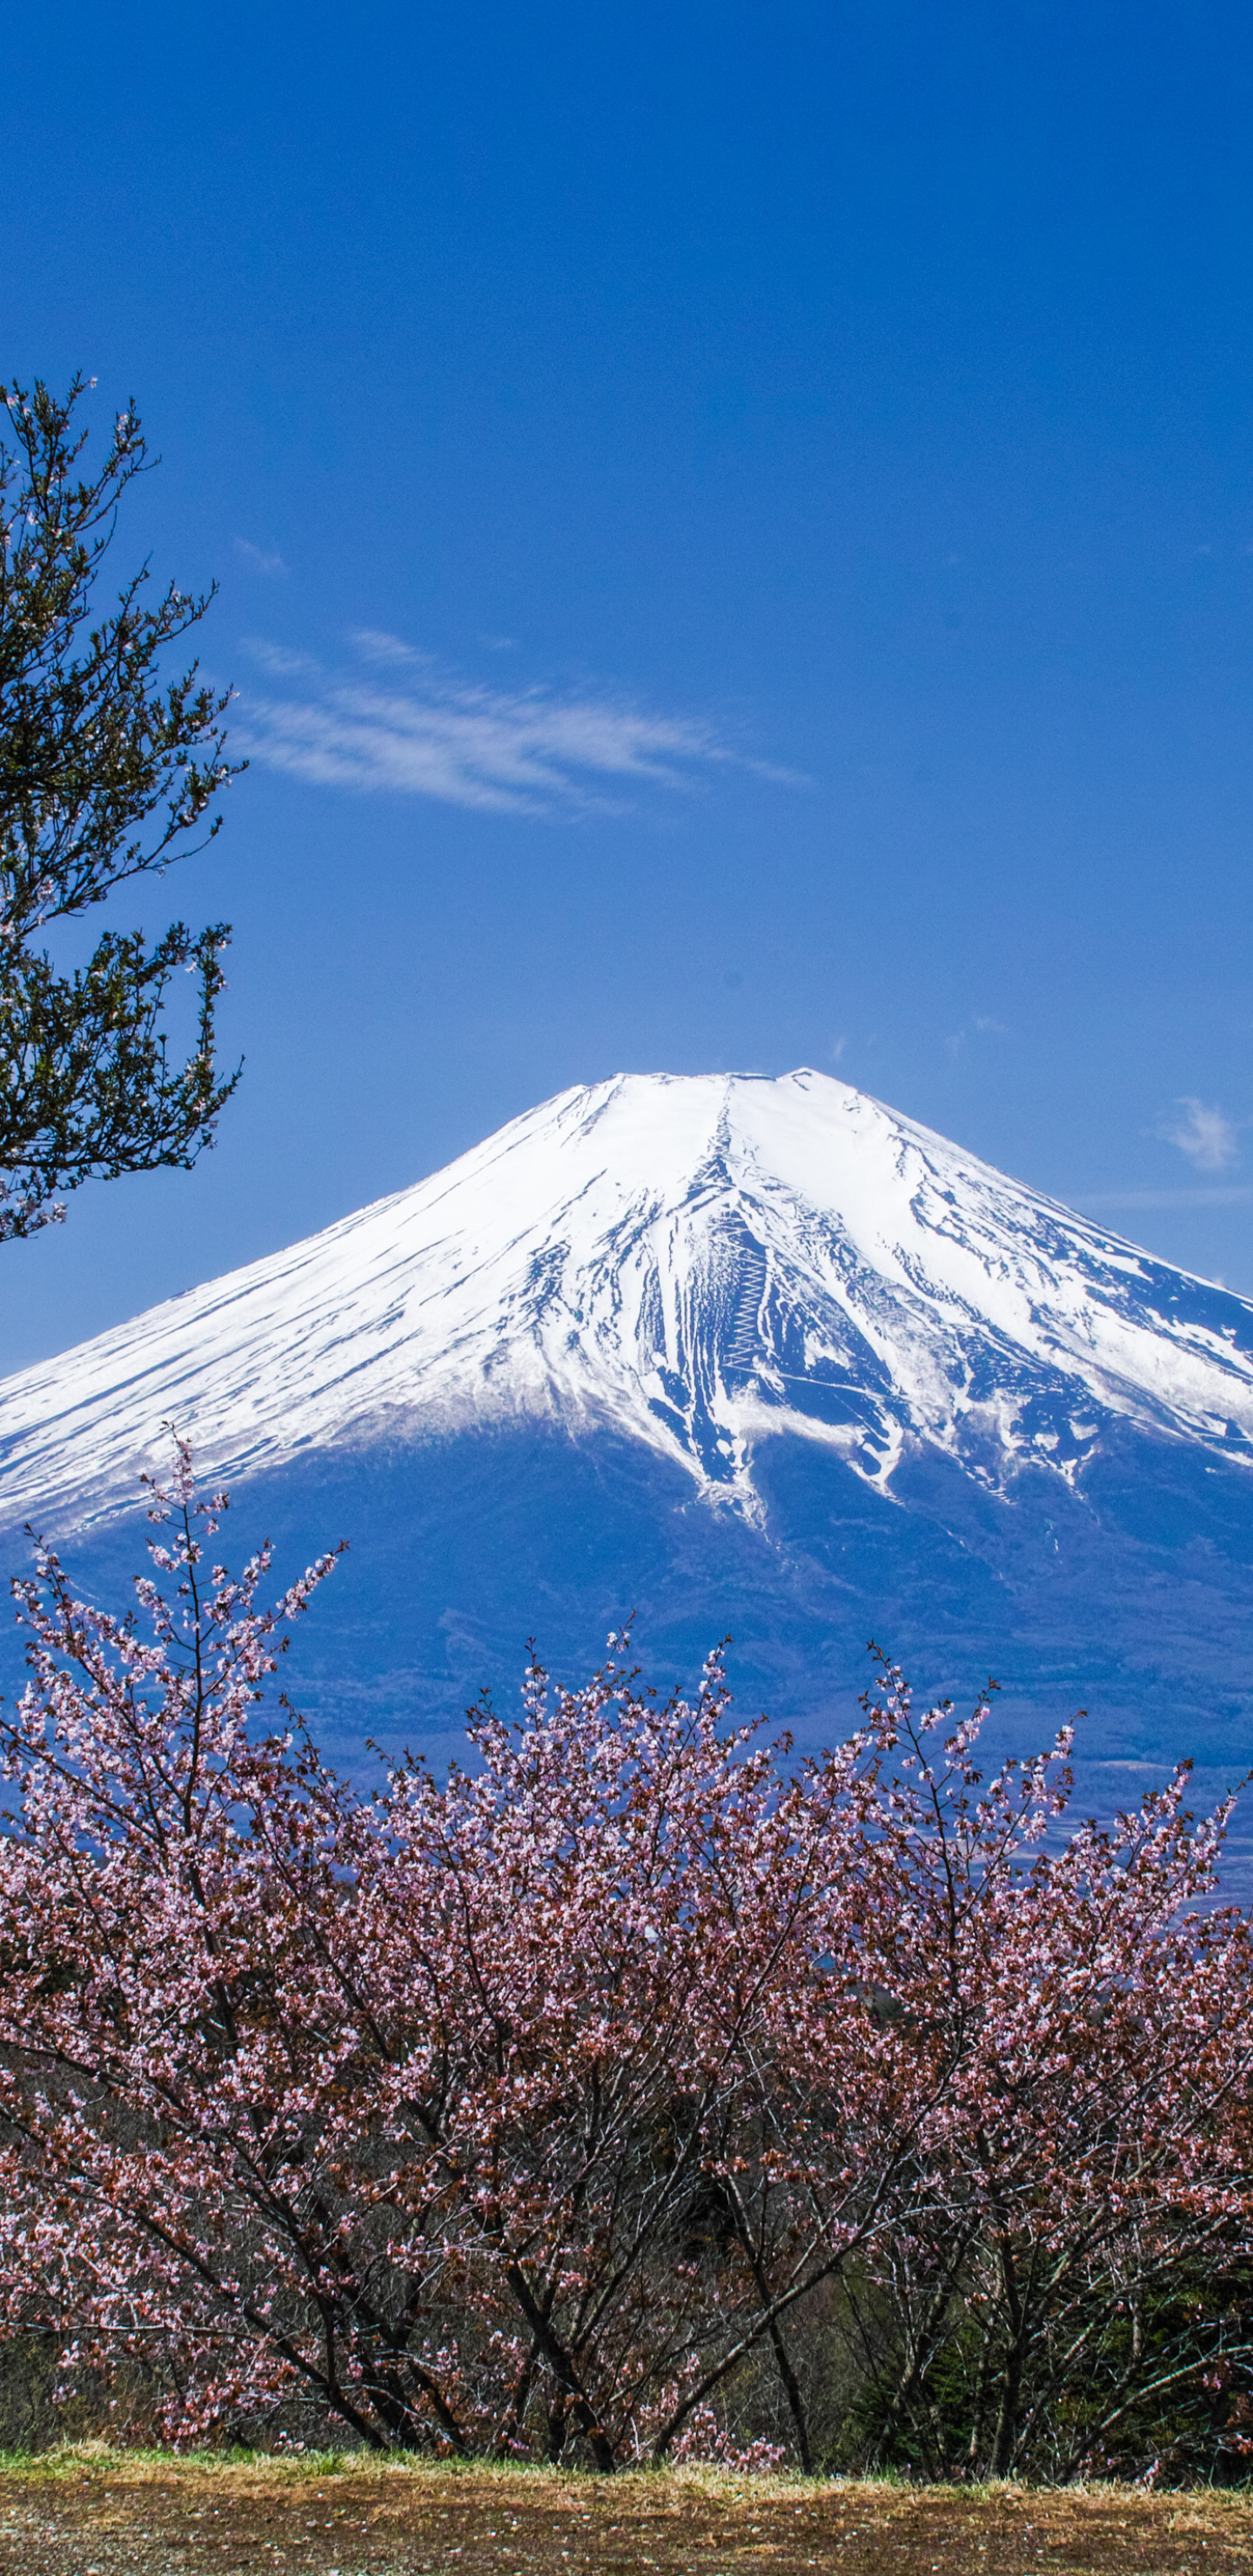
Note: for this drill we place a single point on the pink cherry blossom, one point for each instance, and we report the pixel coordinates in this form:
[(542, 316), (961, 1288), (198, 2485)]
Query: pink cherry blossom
[(539, 2108)]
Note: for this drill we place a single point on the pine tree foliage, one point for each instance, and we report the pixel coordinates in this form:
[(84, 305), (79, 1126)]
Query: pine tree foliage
[(106, 767)]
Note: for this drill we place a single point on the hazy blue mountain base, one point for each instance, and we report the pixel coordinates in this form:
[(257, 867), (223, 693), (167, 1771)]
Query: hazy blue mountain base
[(1132, 1598)]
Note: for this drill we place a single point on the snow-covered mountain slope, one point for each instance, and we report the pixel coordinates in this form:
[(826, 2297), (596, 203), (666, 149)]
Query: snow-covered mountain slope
[(695, 1264), (927, 1406)]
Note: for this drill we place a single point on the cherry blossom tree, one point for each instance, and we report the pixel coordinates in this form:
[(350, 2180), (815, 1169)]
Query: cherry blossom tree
[(549, 2106), (1077, 2254), (434, 2103)]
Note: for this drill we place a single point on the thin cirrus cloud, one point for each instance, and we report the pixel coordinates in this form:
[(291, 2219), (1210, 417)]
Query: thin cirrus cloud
[(402, 724), (1204, 1134), (1210, 1141), (258, 559)]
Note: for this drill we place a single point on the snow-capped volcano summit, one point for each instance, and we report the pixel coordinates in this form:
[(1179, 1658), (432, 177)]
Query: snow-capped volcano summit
[(696, 1264), (927, 1405)]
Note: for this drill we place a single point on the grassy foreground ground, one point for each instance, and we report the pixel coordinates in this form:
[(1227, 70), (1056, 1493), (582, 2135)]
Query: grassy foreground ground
[(91, 2512)]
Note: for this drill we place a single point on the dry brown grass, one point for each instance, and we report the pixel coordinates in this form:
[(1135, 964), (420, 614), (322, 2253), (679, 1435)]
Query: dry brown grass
[(91, 2512)]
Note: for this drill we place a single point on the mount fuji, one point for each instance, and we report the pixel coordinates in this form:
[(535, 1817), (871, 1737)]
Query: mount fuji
[(729, 1353)]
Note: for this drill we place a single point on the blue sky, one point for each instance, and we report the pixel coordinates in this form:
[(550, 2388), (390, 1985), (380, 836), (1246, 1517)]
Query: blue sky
[(735, 532)]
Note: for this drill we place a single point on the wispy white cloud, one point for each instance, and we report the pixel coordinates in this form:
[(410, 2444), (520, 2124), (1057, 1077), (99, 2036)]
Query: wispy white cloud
[(257, 558), (405, 724), (983, 1028), (280, 662), (1205, 1135)]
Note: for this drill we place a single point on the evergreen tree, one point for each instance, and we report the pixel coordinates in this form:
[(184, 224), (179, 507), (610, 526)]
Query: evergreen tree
[(106, 766)]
